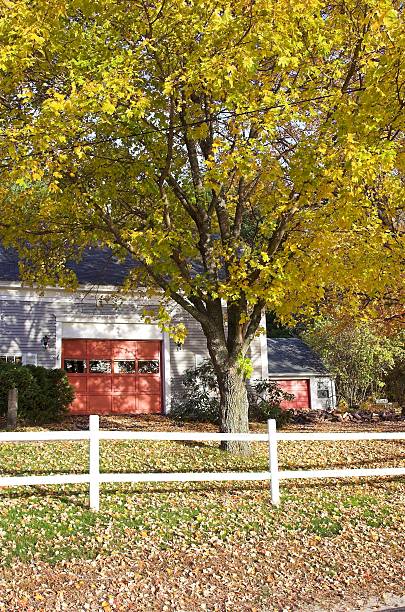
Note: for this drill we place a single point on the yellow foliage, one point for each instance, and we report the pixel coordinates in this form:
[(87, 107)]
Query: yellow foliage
[(249, 153)]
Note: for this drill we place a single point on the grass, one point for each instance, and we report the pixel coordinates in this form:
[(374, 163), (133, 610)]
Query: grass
[(53, 525)]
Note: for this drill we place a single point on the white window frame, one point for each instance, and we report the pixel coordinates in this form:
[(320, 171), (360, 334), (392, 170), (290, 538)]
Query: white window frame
[(13, 355), (326, 387)]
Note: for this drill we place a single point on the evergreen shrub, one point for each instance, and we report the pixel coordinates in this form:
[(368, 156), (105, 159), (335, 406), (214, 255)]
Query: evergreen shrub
[(43, 394)]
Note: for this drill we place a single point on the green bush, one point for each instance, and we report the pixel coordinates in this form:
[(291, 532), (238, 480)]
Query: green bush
[(265, 397), (199, 398), (43, 395), (12, 375)]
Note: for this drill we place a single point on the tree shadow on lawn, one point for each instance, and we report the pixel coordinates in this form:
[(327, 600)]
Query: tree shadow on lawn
[(200, 444), (222, 487)]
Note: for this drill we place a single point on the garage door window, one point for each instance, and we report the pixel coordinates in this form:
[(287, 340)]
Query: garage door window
[(100, 366), (124, 366), (75, 366), (150, 366)]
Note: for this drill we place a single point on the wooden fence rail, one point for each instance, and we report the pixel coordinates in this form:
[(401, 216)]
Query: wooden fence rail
[(94, 477)]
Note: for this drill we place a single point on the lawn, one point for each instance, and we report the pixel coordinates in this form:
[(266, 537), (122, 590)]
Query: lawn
[(186, 546)]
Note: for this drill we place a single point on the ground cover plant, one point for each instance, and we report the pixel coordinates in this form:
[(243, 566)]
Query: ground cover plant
[(185, 546)]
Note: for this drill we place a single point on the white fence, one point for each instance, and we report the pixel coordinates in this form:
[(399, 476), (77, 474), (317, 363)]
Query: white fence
[(94, 478)]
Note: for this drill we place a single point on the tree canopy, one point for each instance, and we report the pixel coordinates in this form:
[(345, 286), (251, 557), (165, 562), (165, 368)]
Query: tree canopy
[(246, 152), (359, 354)]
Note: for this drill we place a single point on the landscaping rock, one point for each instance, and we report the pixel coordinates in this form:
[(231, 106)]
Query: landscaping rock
[(300, 417)]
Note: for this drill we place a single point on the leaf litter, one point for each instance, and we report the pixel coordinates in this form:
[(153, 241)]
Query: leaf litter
[(205, 546)]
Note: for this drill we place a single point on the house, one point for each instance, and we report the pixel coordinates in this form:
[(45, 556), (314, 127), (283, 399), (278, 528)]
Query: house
[(298, 370), (116, 362)]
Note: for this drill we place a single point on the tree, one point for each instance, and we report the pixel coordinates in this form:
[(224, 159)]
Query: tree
[(359, 354), (246, 153), (395, 382)]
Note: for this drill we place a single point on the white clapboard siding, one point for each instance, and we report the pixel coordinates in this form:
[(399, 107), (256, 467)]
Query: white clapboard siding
[(25, 320)]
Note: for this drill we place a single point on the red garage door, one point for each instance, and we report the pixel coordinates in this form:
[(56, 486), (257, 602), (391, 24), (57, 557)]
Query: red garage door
[(114, 376), (300, 390)]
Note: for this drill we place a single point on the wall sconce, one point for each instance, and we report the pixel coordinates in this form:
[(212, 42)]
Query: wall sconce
[(179, 346), (45, 341)]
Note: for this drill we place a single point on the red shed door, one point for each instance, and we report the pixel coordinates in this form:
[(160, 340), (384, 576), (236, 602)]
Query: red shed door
[(300, 390), (114, 376)]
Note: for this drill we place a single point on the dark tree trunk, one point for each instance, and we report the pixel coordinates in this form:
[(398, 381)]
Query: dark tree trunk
[(226, 350), (12, 409), (234, 407)]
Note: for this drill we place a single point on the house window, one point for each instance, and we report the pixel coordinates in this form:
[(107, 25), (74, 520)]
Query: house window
[(199, 360), (323, 390), (17, 359)]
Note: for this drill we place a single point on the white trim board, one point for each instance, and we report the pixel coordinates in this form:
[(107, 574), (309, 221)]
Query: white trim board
[(293, 376), (82, 287), (110, 331), (166, 372), (89, 319), (85, 293), (263, 347)]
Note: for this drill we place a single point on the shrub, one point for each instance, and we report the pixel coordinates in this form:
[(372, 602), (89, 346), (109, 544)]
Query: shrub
[(367, 405), (342, 406), (362, 357), (199, 399), (43, 395), (55, 394), (265, 397), (12, 375)]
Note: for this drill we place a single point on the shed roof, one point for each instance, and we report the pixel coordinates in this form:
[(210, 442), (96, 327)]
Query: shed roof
[(98, 266), (291, 356)]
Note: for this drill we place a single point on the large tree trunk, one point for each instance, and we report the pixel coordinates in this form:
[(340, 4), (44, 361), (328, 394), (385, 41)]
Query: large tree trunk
[(234, 407)]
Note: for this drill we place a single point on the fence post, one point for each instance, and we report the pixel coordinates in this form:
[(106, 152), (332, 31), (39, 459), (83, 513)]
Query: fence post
[(12, 409), (94, 462), (273, 462)]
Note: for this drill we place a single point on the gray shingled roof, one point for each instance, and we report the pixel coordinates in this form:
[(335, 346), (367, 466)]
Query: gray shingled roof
[(292, 356), (97, 267), (8, 264)]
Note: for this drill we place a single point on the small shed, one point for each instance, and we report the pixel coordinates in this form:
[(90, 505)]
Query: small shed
[(297, 369)]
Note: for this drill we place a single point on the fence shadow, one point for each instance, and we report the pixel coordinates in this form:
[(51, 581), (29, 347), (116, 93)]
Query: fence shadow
[(343, 464), (145, 489), (11, 472), (43, 491)]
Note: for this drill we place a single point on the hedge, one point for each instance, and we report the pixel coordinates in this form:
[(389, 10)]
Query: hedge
[(43, 395)]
